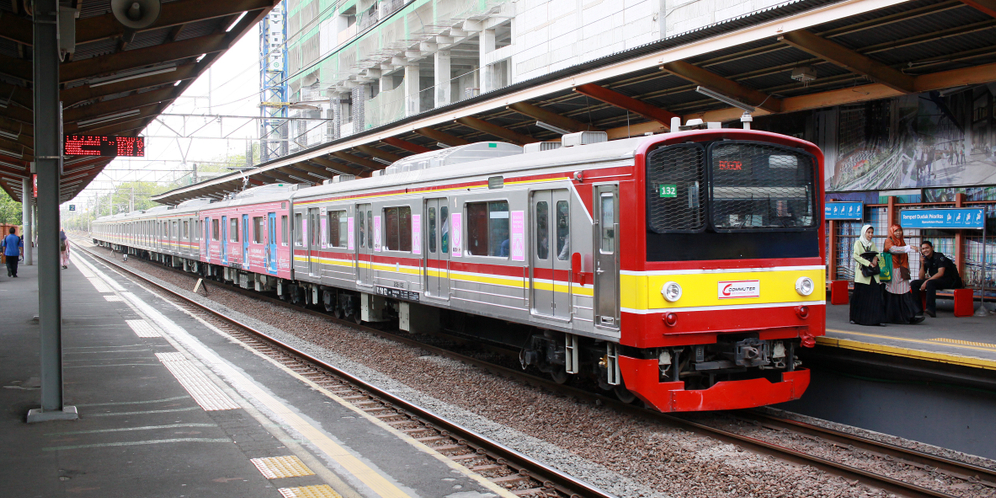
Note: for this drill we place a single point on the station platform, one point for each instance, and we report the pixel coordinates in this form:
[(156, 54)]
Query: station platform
[(170, 406), (956, 341)]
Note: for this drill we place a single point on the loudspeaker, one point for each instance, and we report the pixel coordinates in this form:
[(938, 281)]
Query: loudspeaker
[(136, 14)]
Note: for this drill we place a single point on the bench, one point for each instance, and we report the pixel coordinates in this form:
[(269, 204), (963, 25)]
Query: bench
[(964, 300)]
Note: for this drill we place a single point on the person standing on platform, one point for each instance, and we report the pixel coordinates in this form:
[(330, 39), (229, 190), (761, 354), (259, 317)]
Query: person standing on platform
[(866, 301), (64, 248), (937, 271), (899, 304), (13, 248)]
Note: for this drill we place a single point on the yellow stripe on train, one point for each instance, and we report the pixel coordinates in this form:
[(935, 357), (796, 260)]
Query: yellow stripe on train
[(642, 291)]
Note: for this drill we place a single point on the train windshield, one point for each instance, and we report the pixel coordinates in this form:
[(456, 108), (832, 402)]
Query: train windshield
[(758, 186), (711, 200)]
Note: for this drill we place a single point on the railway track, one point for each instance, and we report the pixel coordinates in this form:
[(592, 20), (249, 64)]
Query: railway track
[(503, 466), (855, 474)]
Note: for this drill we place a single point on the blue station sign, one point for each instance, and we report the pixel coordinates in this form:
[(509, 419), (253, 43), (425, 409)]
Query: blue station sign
[(843, 211), (964, 218)]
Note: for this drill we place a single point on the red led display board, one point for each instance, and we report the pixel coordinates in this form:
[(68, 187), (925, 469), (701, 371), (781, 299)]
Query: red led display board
[(104, 145)]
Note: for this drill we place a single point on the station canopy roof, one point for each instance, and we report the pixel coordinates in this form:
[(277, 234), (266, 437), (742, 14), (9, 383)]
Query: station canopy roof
[(116, 82), (841, 52)]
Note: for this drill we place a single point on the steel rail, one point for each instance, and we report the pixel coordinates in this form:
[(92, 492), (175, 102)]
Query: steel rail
[(962, 469), (527, 466)]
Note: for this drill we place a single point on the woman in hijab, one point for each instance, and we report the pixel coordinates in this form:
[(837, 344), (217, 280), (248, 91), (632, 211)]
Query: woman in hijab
[(866, 301), (899, 304)]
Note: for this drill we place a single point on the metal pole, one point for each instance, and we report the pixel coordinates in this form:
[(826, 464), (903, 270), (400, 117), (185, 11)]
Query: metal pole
[(27, 216), (48, 161), (983, 311)]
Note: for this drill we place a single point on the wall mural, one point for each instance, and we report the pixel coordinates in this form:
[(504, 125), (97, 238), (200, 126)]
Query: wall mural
[(935, 139)]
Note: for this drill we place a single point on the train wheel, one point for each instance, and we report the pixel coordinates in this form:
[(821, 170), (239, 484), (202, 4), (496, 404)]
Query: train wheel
[(338, 312), (624, 395), (559, 376), (357, 317)]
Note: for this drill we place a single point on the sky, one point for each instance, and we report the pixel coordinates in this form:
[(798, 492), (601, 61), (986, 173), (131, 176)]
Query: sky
[(229, 88)]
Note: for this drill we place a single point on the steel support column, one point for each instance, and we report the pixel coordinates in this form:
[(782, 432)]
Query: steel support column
[(48, 159), (28, 220)]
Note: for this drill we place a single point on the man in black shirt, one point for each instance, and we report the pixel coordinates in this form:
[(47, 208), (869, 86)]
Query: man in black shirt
[(937, 271)]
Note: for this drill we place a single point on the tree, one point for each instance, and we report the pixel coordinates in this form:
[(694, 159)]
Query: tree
[(10, 210)]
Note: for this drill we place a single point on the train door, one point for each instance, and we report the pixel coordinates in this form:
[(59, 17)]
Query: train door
[(314, 241), (550, 253), (437, 249), (224, 240), (364, 244), (606, 225), (271, 242), (245, 241)]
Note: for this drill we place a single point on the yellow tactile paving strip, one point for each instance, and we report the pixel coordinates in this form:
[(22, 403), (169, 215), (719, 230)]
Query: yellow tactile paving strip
[(280, 467), (322, 491), (934, 356), (965, 343)]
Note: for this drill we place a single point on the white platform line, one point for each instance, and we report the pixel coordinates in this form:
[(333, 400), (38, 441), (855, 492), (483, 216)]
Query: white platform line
[(200, 387)]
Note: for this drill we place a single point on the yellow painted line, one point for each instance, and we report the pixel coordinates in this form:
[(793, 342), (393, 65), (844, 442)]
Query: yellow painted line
[(322, 491), (281, 467), (965, 361), (329, 447), (643, 291), (965, 343)]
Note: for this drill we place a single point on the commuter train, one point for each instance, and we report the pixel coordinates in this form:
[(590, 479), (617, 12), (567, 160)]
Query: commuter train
[(684, 269)]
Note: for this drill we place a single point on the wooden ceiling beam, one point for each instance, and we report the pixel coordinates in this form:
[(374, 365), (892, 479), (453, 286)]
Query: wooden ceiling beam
[(82, 93), (314, 170), (374, 151), (171, 14), (723, 85), (987, 7), (138, 58), (498, 131), (849, 59), (625, 102), (440, 136), (366, 163), (405, 145), (549, 117), (336, 166), (117, 105)]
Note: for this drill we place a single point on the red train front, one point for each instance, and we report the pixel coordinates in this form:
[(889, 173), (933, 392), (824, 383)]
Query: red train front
[(724, 278)]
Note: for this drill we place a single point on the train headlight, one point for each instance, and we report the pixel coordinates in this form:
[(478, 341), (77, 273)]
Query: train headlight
[(671, 291), (804, 286)]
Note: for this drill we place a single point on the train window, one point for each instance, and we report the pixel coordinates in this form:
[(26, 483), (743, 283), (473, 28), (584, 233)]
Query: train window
[(760, 186), (370, 229), (298, 232), (398, 228), (487, 228), (186, 229), (283, 230), (676, 188), (343, 229), (542, 230), (563, 231), (431, 216), (608, 222), (233, 233), (337, 228), (215, 230), (362, 229), (444, 229), (257, 229)]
